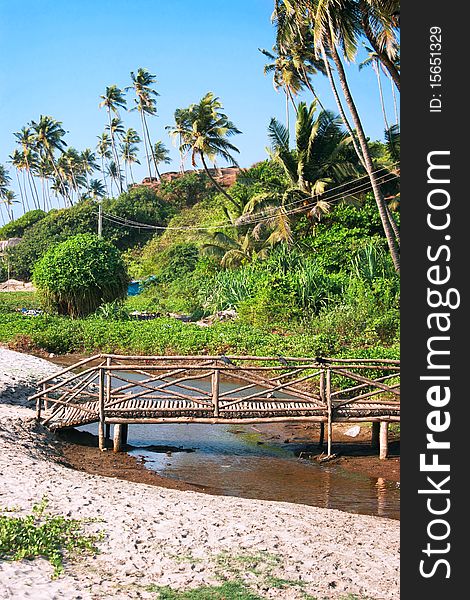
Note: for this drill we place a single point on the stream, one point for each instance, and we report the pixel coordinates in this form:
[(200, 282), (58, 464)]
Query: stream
[(239, 460)]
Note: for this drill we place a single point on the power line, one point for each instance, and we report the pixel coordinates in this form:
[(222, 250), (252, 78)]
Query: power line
[(252, 220)]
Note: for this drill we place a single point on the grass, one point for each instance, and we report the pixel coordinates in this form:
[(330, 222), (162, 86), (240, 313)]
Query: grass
[(164, 336), (41, 534), (229, 590)]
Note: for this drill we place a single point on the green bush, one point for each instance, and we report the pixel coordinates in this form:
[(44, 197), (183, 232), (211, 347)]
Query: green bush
[(17, 227), (76, 276)]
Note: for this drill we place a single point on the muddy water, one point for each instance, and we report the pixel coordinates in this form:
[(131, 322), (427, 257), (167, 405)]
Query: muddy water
[(238, 461)]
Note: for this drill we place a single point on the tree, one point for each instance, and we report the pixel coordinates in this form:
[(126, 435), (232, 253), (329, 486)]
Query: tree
[(129, 150), (142, 82), (336, 28), (235, 251), (76, 276), (26, 139), (104, 152), (323, 156), (112, 100), (161, 155), (204, 130), (48, 137)]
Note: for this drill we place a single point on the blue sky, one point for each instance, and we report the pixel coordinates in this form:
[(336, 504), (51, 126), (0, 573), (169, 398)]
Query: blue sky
[(58, 58)]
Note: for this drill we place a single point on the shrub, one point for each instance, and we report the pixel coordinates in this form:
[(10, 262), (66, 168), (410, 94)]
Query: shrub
[(17, 227), (77, 276)]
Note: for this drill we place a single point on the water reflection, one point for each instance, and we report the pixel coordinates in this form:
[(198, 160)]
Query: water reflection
[(236, 462)]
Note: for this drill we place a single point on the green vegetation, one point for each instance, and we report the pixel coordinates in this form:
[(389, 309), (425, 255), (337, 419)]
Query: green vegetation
[(76, 276), (227, 591), (303, 247), (41, 534)]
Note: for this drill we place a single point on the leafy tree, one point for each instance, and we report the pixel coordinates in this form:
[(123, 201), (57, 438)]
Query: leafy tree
[(17, 227), (76, 276), (203, 130)]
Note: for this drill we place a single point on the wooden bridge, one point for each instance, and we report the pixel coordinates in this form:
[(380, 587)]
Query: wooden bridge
[(121, 390)]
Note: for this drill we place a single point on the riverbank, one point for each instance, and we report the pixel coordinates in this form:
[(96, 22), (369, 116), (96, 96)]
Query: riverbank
[(155, 536)]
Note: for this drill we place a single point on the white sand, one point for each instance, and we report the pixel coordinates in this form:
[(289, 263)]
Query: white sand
[(168, 537)]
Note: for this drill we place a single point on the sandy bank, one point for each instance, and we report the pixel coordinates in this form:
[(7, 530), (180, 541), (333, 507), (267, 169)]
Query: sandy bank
[(176, 538)]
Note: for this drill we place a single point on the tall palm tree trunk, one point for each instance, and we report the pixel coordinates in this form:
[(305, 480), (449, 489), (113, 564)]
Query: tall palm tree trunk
[(339, 104), (151, 149), (395, 106), (216, 184), (384, 213), (113, 146), (103, 172), (147, 153), (24, 198), (376, 67)]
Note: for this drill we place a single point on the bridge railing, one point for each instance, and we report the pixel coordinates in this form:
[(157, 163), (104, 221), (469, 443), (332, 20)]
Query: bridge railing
[(119, 389)]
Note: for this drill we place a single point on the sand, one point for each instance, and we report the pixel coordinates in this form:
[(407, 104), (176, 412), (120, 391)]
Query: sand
[(178, 538)]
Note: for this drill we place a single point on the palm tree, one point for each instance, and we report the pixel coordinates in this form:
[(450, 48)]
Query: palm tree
[(48, 134), (104, 152), (18, 162), (88, 163), (235, 251), (7, 197), (142, 82), (182, 124), (323, 156), (25, 137), (336, 29), (115, 173), (129, 150), (373, 61), (161, 155), (96, 189), (112, 100), (204, 132)]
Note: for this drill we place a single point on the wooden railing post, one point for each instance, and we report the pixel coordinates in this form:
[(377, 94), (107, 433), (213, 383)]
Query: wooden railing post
[(329, 408), (46, 403), (215, 391), (323, 401), (101, 398)]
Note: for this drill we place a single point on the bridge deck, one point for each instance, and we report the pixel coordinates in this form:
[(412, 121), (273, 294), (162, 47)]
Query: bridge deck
[(111, 389)]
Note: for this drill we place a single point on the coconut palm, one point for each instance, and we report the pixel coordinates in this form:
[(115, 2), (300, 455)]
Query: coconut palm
[(323, 156), (7, 197), (88, 163), (182, 124), (204, 131), (48, 136), (26, 139), (373, 61), (129, 150), (161, 155), (115, 174), (145, 101), (96, 189), (336, 27), (235, 251), (104, 152), (18, 162), (113, 99)]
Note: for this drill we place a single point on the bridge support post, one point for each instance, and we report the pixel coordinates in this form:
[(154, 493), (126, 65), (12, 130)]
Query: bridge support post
[(215, 391), (383, 452), (330, 410), (117, 437), (323, 400), (375, 434), (101, 425)]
